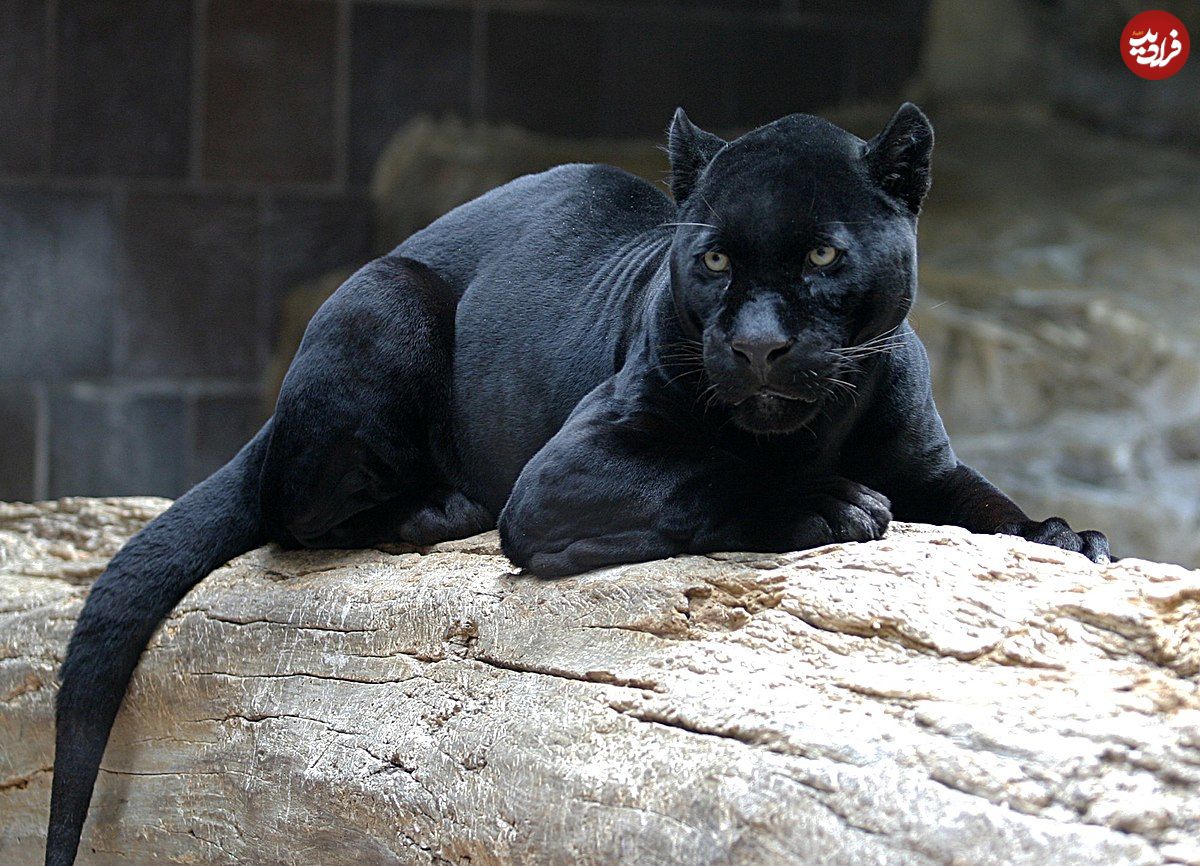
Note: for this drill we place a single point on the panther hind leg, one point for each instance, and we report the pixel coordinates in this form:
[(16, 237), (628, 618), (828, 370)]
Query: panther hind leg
[(361, 443)]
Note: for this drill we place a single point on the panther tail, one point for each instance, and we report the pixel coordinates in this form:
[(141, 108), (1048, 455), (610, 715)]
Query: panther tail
[(213, 522)]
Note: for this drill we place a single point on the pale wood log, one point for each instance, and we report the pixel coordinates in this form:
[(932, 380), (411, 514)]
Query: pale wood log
[(932, 698)]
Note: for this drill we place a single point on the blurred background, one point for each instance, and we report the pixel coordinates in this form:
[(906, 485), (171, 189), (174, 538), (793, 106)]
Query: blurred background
[(183, 181)]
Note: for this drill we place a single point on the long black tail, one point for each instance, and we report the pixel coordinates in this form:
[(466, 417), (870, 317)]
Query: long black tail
[(212, 523)]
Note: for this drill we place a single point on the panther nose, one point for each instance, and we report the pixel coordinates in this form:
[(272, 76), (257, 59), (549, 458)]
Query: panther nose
[(760, 353)]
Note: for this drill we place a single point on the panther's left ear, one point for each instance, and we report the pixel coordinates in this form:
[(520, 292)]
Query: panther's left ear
[(690, 149), (898, 158)]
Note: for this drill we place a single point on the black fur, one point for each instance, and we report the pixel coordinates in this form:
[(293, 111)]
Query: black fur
[(557, 356)]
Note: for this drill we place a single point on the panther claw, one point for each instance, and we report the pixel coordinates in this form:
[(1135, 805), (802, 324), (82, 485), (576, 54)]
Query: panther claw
[(1056, 532)]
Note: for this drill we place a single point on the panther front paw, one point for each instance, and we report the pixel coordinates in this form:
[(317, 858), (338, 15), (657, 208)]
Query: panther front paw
[(841, 510), (1056, 532)]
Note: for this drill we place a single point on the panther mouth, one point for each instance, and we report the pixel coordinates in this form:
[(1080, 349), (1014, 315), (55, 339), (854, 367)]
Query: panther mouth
[(771, 411), (767, 396)]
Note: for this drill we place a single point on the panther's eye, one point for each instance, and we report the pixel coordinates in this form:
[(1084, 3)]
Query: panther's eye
[(823, 256), (716, 262)]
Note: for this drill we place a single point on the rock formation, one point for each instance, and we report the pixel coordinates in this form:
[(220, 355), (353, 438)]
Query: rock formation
[(932, 698)]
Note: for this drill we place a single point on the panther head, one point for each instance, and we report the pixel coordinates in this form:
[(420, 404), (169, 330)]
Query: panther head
[(795, 249)]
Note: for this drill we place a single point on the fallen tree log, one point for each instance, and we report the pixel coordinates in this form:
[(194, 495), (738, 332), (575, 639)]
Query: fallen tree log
[(932, 698)]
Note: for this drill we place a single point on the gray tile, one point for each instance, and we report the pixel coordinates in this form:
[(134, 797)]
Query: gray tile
[(189, 306), (123, 87), (269, 100), (405, 62), (18, 443), (59, 274), (775, 71), (734, 10), (727, 78), (306, 236), (883, 62), (546, 73), (600, 76), (22, 84), (640, 5), (906, 15), (106, 441), (221, 426)]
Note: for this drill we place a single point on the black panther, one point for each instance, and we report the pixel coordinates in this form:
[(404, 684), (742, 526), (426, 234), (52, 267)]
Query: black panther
[(607, 374)]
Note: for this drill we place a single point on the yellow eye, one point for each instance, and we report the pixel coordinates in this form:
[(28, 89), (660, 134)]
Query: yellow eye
[(823, 256), (716, 262)]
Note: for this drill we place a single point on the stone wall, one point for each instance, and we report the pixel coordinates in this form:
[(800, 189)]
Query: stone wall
[(171, 169)]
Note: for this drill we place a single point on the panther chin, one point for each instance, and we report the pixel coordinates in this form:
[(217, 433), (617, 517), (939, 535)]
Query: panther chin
[(769, 411)]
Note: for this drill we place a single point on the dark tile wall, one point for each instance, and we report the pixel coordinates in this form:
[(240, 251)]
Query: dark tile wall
[(405, 61), (189, 303), (60, 274), (170, 169), (110, 440), (122, 87), (269, 99), (304, 237), (220, 424), (19, 408), (23, 64)]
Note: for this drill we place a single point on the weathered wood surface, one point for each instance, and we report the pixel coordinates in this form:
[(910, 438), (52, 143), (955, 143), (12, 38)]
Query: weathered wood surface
[(932, 698)]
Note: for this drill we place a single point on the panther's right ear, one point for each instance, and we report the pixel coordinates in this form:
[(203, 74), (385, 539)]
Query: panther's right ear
[(690, 149), (898, 157)]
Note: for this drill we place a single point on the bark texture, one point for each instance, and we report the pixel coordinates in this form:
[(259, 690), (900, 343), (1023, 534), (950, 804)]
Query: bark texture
[(932, 698)]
